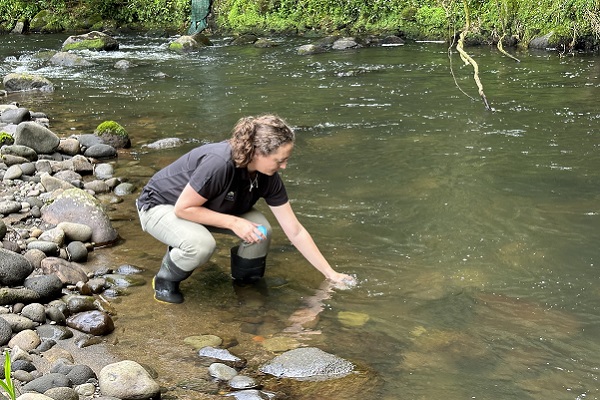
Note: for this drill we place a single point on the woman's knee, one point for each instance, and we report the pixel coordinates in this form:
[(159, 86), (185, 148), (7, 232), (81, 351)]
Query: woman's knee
[(200, 250)]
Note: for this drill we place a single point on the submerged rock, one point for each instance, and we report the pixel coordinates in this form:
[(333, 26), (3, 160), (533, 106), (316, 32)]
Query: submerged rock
[(308, 363)]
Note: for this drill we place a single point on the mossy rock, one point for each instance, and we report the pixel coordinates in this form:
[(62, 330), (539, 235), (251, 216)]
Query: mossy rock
[(184, 44), (112, 133), (90, 41), (40, 20)]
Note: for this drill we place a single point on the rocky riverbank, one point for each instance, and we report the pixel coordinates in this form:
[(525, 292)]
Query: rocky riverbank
[(56, 317)]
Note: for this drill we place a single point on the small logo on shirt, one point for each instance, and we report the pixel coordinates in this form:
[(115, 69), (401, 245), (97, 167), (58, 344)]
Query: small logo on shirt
[(230, 196)]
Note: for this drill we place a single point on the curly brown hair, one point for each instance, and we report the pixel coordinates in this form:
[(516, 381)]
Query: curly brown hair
[(263, 134)]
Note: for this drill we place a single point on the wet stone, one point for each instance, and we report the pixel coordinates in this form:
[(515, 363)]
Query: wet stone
[(35, 312), (242, 382), (201, 341), (11, 296), (221, 355), (94, 322), (77, 252), (56, 314), (250, 394), (221, 371), (46, 286), (46, 382), (307, 363), (54, 332), (18, 323)]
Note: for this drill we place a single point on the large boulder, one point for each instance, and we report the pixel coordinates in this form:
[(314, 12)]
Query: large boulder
[(76, 205), (36, 137), (67, 59), (22, 82), (90, 41)]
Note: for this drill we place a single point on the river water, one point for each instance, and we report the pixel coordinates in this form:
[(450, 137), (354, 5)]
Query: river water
[(474, 234)]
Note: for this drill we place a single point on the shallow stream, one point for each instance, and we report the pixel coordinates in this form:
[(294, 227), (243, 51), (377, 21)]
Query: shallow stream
[(474, 234)]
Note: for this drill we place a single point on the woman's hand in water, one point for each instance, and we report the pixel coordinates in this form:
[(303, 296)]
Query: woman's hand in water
[(342, 281)]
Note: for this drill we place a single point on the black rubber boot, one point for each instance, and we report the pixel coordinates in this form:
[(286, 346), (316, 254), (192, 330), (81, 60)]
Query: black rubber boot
[(246, 270), (166, 281)]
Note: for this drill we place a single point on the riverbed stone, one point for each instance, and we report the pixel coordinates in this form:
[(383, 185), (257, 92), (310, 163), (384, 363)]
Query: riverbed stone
[(68, 272), (15, 116), (70, 176), (69, 146), (66, 59), (47, 382), (5, 331), (124, 189), (76, 205), (62, 393), (36, 136), (345, 44), (251, 394), (76, 231), (307, 363), (54, 235), (104, 171), (166, 143), (94, 322), (13, 172), (48, 287), (34, 396), (77, 252), (91, 41), (100, 151), (14, 295), (184, 44), (18, 323), (241, 382), (78, 303), (9, 207), (54, 332), (221, 371), (200, 341), (56, 314), (50, 249), (80, 374), (352, 319), (97, 186), (20, 82), (14, 268), (27, 340), (35, 312), (3, 229), (127, 380), (113, 134)]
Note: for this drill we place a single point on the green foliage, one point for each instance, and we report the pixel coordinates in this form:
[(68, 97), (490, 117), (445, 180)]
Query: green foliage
[(7, 384), (569, 19), (433, 20)]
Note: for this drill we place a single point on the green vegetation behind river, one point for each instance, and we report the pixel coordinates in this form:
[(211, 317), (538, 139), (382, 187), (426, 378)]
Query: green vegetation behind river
[(575, 24)]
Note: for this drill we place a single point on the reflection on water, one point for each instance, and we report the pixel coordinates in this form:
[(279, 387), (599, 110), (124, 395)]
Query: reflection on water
[(474, 234)]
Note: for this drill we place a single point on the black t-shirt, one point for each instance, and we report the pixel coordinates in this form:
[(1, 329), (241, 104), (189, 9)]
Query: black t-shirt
[(210, 171)]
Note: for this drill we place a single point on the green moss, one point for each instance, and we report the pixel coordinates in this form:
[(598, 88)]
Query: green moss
[(6, 138), (110, 127), (176, 46), (91, 44)]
